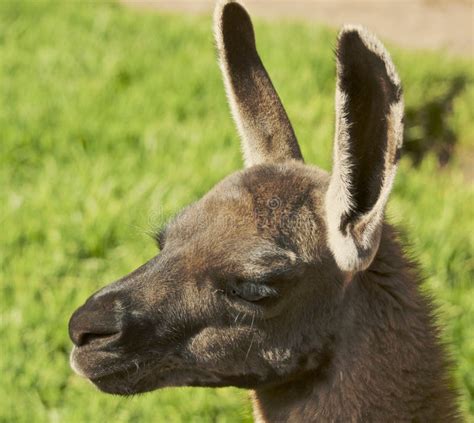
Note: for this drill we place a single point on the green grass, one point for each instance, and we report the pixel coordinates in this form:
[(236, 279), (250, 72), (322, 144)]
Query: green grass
[(111, 120)]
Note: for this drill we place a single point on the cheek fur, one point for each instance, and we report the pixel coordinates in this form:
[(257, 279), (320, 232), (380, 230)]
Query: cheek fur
[(281, 360), (226, 350)]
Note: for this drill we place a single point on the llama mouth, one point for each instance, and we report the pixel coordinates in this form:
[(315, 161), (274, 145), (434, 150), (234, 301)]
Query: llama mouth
[(140, 378), (114, 374), (129, 381), (99, 364), (125, 381)]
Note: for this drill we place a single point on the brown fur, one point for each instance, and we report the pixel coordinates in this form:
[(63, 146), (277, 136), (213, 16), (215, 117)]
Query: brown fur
[(248, 291)]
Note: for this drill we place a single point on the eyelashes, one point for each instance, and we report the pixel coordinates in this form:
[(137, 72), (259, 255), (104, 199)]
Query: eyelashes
[(252, 292)]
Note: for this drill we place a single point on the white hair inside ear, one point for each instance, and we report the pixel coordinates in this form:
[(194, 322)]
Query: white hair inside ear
[(368, 140)]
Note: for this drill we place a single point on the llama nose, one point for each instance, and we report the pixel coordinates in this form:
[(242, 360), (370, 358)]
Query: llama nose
[(97, 321)]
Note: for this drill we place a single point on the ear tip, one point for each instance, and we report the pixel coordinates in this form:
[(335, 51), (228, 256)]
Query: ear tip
[(371, 42), (360, 29), (223, 5), (233, 27), (224, 9), (368, 38)]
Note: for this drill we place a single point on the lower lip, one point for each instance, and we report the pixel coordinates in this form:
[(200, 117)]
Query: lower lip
[(94, 374), (120, 383), (74, 365)]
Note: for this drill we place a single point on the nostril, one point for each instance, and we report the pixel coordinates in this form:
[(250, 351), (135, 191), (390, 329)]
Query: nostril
[(88, 325), (82, 332)]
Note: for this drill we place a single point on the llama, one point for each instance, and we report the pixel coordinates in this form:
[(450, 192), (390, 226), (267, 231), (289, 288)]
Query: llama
[(283, 279)]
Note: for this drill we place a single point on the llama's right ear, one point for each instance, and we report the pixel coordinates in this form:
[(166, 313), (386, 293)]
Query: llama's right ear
[(369, 135), (264, 127)]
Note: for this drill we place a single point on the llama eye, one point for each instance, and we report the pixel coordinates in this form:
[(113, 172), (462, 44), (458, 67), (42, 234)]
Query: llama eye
[(253, 292)]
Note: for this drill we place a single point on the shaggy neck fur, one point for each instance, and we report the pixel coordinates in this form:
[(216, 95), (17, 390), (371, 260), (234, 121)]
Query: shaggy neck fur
[(387, 364)]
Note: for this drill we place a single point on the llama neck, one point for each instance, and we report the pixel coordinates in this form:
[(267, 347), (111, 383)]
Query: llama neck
[(387, 364)]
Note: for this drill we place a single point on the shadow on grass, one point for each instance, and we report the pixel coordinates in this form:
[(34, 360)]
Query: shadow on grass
[(428, 128)]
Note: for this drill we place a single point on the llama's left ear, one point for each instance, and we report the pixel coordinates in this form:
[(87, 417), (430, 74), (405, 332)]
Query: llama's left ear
[(368, 140)]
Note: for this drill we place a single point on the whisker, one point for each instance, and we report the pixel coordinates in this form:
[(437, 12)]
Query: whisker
[(253, 337)]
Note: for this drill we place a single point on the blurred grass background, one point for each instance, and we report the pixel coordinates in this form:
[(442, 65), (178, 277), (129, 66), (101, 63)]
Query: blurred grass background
[(112, 119)]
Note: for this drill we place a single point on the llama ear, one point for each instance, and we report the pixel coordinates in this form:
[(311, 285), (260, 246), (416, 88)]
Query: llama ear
[(263, 125), (368, 140)]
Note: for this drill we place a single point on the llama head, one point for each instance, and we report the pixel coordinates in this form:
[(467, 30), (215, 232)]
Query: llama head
[(247, 287)]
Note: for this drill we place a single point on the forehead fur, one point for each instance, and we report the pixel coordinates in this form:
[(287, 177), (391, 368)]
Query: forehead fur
[(251, 213)]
